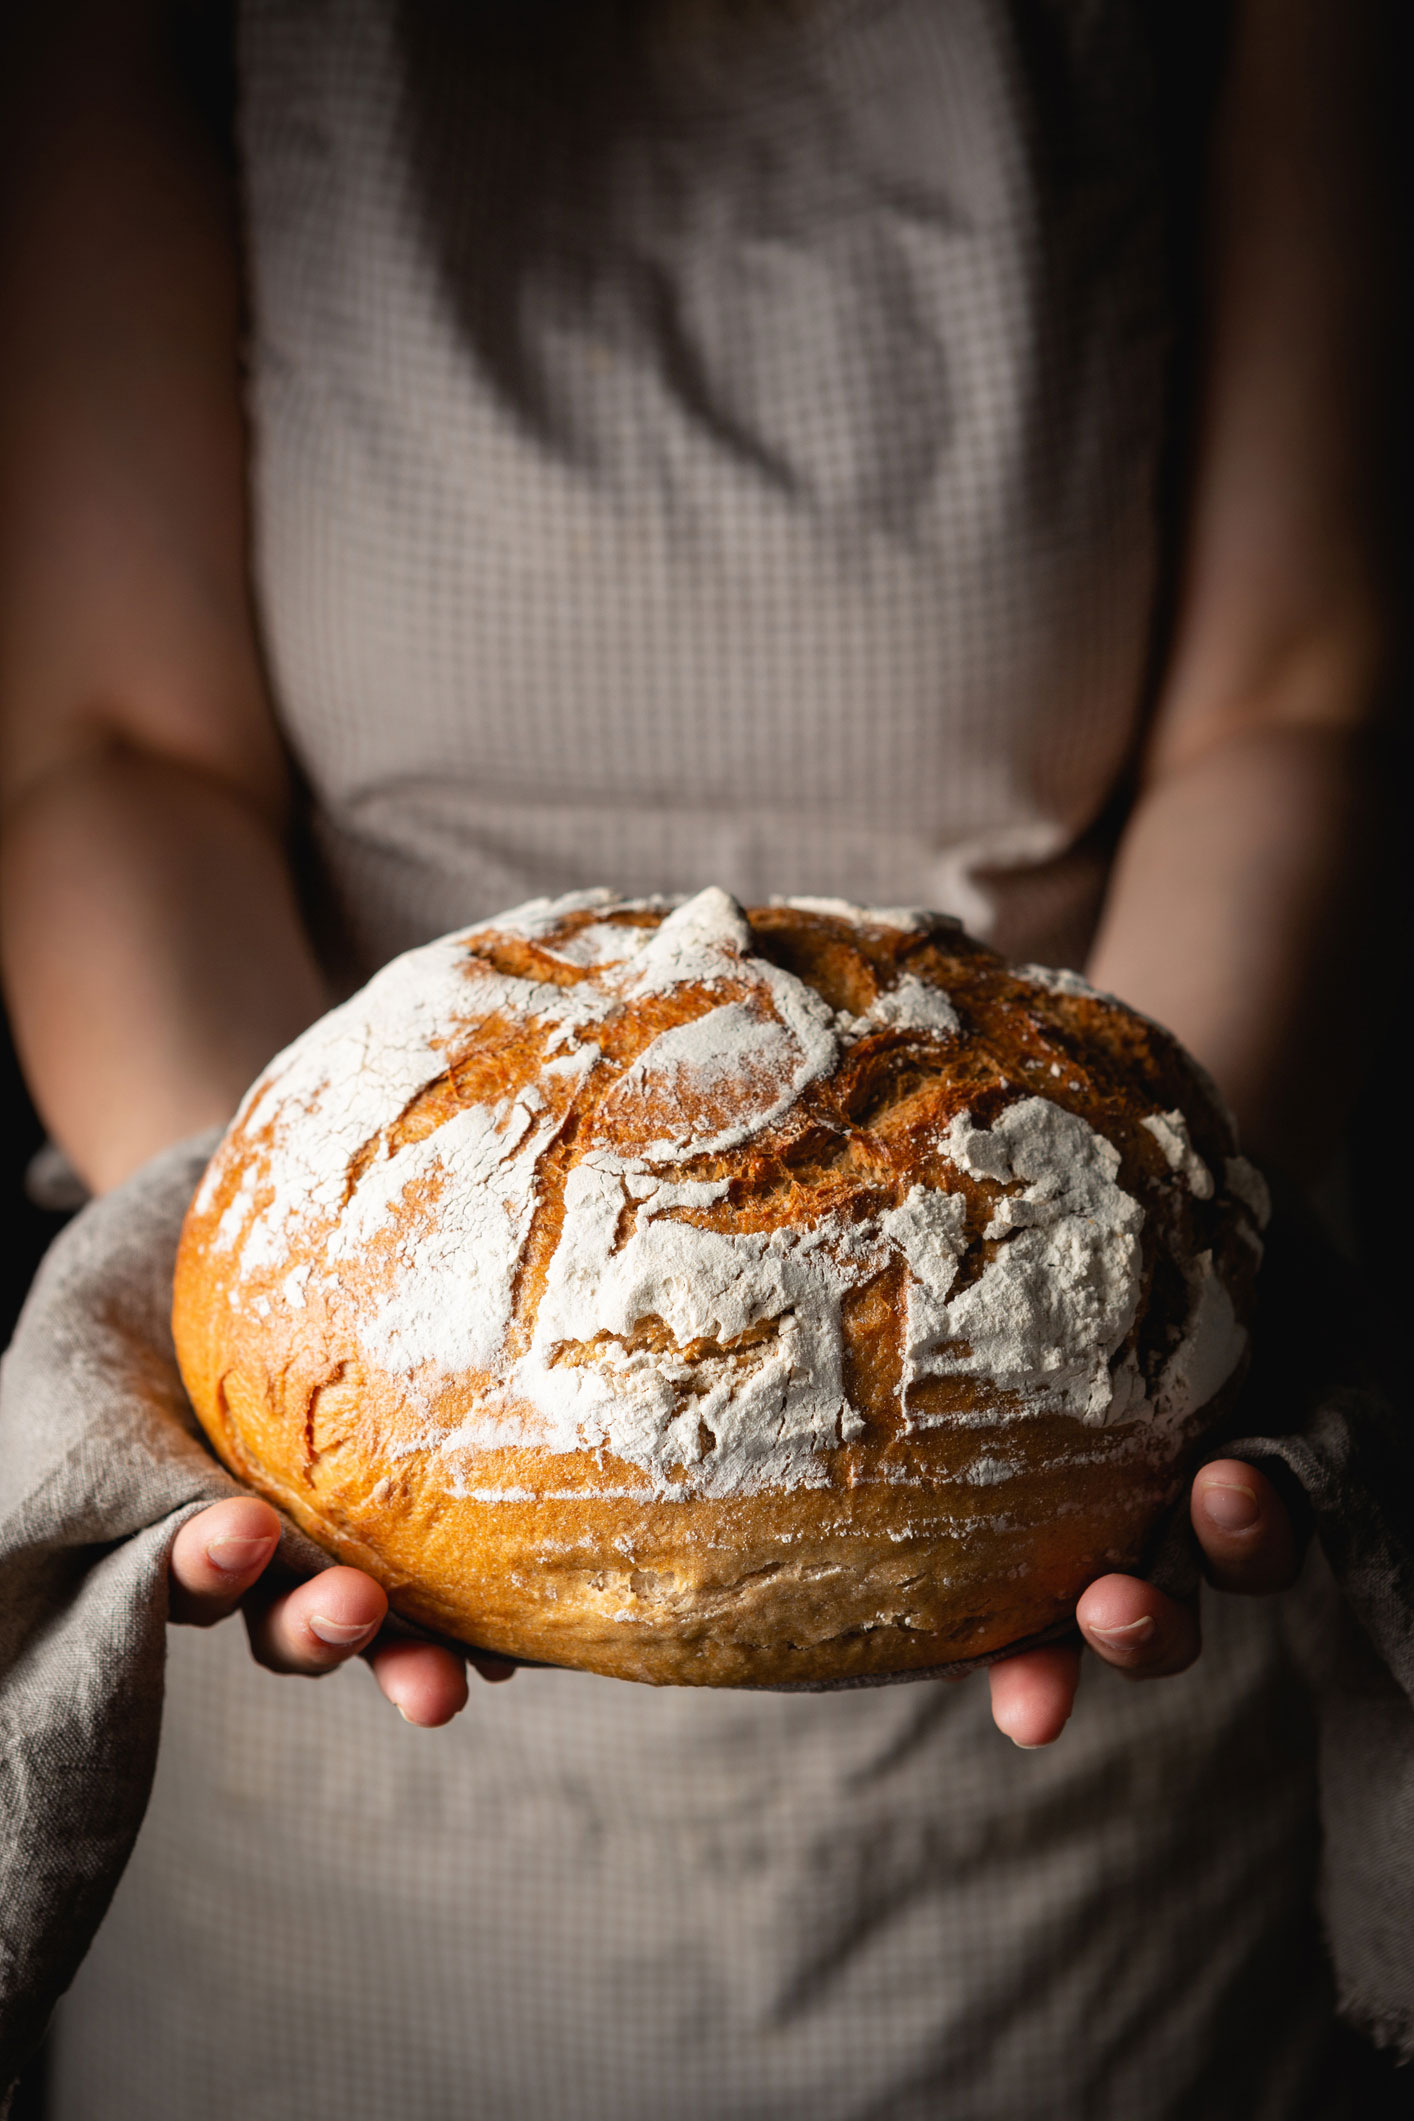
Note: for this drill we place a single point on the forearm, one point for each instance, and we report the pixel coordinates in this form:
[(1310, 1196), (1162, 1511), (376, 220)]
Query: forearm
[(153, 951), (1239, 916), (1240, 910), (151, 943)]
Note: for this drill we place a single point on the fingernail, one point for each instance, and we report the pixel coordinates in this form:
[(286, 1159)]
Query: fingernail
[(340, 1635), (1129, 1638), (238, 1557), (1230, 1507)]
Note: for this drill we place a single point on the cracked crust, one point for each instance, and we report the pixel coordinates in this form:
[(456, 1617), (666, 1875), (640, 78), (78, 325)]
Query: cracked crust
[(946, 1518)]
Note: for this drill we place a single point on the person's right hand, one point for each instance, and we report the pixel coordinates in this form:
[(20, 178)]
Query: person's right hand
[(218, 1560)]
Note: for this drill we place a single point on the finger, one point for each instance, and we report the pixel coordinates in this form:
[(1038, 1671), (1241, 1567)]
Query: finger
[(1033, 1694), (426, 1685), (1243, 1528), (1139, 1630), (319, 1625), (216, 1557)]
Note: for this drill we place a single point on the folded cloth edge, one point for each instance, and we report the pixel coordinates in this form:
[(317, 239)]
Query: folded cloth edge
[(1353, 1464), (101, 1462)]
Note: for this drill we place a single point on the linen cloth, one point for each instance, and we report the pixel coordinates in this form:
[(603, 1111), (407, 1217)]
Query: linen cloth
[(644, 1948), (1354, 1464), (100, 1462)]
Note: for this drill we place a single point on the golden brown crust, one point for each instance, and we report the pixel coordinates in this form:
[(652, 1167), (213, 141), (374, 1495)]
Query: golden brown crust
[(949, 1515)]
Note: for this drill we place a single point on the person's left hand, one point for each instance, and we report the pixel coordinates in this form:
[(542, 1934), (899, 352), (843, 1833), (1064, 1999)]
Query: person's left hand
[(1248, 1545)]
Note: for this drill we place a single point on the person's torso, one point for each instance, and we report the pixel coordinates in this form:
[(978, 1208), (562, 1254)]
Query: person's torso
[(718, 452)]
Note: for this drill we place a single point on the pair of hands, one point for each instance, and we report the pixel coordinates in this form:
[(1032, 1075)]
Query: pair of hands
[(220, 1557)]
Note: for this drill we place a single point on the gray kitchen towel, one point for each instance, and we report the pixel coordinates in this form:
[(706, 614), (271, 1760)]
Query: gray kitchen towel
[(101, 1461), (1354, 1461)]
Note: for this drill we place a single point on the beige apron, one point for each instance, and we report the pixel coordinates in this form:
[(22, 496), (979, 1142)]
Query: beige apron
[(708, 443)]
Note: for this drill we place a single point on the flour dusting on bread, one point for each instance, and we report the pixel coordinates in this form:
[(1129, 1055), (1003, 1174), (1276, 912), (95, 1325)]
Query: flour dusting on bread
[(679, 1205), (740, 1386)]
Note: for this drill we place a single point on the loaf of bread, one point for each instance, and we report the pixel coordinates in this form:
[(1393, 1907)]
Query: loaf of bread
[(722, 1297)]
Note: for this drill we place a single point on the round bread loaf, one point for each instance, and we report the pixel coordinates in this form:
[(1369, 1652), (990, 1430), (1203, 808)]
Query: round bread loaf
[(719, 1297)]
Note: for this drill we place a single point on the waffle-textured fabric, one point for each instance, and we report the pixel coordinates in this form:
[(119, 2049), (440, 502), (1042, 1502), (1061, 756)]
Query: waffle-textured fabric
[(708, 444), (691, 458)]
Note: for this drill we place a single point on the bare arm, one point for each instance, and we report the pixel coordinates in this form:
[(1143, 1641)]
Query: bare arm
[(1239, 899), (1238, 896), (152, 950)]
